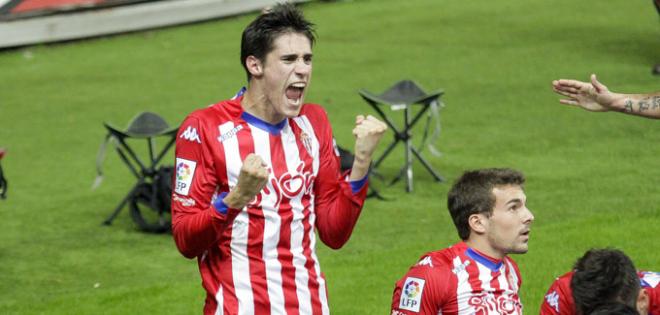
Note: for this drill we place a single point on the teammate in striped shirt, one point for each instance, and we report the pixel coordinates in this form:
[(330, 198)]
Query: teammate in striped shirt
[(474, 276), (599, 277), (257, 176)]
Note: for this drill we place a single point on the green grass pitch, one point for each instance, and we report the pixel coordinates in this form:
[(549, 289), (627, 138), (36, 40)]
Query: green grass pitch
[(593, 178)]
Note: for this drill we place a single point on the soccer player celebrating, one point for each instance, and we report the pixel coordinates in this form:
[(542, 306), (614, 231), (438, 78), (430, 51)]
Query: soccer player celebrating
[(599, 277), (475, 276), (258, 175)]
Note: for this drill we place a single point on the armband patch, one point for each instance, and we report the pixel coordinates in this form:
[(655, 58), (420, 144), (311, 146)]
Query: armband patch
[(411, 294), (185, 171)]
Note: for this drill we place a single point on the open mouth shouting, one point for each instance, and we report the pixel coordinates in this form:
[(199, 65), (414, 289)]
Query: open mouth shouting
[(294, 93)]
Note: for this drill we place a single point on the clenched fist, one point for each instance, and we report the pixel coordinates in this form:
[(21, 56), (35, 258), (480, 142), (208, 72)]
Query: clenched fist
[(252, 178), (368, 131)]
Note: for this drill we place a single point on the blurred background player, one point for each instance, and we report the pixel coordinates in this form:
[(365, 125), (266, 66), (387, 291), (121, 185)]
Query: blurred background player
[(602, 276), (258, 175), (596, 97), (474, 276)]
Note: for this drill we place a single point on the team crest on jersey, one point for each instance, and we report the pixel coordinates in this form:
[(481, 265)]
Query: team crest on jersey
[(185, 171), (190, 134), (553, 300), (411, 294), (307, 142)]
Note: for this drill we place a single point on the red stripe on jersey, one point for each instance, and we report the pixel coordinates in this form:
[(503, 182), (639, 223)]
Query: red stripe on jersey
[(255, 236), (284, 255), (313, 282), (475, 283)]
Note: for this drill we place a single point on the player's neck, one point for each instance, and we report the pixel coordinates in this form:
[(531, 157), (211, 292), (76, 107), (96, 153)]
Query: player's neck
[(256, 104), (483, 247)]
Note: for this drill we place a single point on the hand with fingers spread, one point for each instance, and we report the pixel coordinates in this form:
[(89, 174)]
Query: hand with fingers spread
[(368, 131), (252, 178), (592, 96)]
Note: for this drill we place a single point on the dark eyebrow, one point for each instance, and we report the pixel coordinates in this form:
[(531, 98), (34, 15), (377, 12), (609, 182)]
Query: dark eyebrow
[(517, 200)]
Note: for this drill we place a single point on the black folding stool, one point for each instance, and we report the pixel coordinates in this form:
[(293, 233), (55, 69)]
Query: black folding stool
[(149, 199), (3, 180), (405, 95)]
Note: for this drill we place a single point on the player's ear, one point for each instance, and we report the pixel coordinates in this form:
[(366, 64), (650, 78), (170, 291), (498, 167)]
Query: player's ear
[(254, 66), (478, 223), (643, 302)]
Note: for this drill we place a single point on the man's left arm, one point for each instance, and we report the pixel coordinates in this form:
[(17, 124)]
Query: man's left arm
[(339, 198)]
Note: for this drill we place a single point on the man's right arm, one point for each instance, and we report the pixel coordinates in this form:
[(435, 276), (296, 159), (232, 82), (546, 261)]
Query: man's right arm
[(420, 291), (196, 223), (558, 300), (596, 97)]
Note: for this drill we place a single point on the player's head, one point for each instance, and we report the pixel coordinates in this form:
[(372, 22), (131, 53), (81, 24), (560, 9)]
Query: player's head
[(489, 206), (603, 276), (614, 308), (276, 52)]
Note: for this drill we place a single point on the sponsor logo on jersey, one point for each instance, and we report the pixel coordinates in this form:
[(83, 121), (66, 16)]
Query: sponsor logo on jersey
[(460, 268), (185, 171), (426, 261), (190, 134), (230, 133), (650, 279), (186, 202), (552, 299), (487, 303), (411, 294)]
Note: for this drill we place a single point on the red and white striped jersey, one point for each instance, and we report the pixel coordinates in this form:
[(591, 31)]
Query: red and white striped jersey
[(261, 259), (459, 280), (559, 299)]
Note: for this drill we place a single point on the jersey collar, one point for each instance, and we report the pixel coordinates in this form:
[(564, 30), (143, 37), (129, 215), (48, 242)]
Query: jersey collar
[(490, 263), (273, 129)]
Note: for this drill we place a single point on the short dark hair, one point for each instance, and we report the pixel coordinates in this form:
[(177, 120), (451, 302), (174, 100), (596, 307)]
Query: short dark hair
[(258, 37), (615, 308), (602, 276), (472, 193)]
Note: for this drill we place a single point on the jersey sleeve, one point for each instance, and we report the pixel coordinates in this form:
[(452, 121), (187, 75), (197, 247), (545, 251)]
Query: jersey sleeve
[(650, 282), (196, 225), (558, 300), (337, 206), (420, 291)]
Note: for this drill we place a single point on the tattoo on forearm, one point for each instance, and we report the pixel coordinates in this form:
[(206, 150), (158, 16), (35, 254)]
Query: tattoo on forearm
[(643, 104), (628, 106)]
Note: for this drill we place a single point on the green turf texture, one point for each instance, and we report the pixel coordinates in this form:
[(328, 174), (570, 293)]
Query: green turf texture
[(593, 178)]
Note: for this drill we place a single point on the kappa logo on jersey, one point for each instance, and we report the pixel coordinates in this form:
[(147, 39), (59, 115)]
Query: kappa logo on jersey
[(411, 295), (487, 303), (650, 279), (185, 171), (553, 300), (427, 261), (190, 134), (230, 133)]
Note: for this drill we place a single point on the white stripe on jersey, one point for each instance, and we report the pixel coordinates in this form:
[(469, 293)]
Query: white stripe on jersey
[(514, 276), (485, 275), (292, 157), (304, 124), (463, 285), (219, 298), (239, 232), (272, 222)]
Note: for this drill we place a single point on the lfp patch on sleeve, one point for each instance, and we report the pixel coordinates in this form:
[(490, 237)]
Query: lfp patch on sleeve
[(185, 171), (411, 294)]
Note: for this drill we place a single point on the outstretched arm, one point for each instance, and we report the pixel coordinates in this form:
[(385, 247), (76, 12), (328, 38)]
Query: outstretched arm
[(596, 97)]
